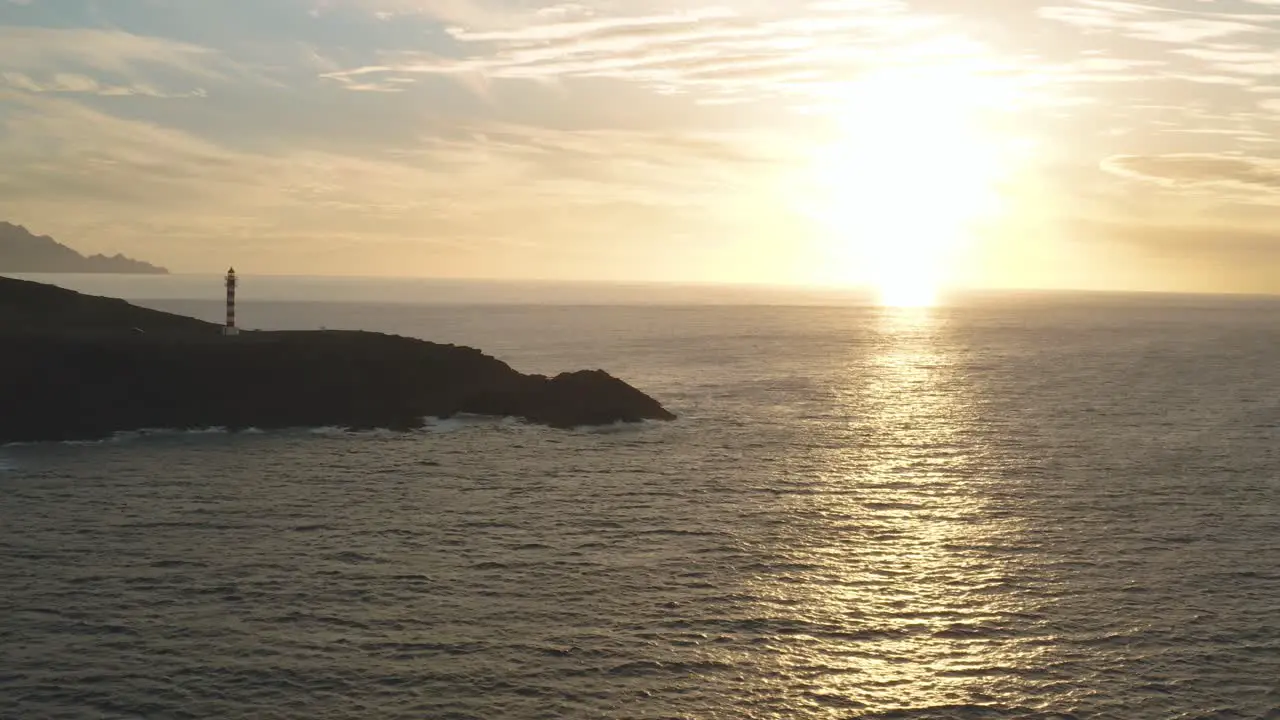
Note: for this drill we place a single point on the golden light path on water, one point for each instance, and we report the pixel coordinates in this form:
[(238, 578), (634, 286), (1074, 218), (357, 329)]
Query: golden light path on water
[(903, 540)]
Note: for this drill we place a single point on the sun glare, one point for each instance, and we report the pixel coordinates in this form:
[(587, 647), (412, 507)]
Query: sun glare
[(912, 170), (907, 290)]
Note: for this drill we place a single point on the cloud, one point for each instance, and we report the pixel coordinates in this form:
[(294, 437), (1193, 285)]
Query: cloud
[(472, 13), (104, 62), (1170, 25), (111, 51), (1161, 24), (710, 50), (1193, 41), (1189, 171), (82, 84), (1252, 63), (144, 187), (568, 131)]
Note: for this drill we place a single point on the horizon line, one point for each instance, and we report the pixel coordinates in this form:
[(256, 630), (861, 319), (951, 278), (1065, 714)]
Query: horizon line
[(818, 288)]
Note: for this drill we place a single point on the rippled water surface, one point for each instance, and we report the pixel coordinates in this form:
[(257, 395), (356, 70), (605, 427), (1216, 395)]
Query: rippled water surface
[(1046, 508)]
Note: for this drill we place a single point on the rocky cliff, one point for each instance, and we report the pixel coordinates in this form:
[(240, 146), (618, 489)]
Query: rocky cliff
[(80, 367)]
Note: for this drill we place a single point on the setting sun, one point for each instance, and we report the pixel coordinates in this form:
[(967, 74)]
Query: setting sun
[(907, 291), (910, 172)]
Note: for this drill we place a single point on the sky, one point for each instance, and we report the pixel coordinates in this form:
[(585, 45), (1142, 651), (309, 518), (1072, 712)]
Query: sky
[(907, 145)]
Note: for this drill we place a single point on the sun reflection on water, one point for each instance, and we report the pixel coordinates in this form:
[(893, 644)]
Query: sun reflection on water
[(905, 540)]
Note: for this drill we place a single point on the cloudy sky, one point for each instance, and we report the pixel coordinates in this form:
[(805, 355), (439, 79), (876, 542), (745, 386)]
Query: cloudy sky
[(1029, 143)]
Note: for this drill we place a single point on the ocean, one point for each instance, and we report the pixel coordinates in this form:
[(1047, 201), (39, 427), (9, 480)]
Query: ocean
[(1009, 506)]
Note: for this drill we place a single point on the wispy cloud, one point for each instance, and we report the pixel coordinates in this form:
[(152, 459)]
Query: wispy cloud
[(83, 84), (1192, 170), (107, 62), (112, 51), (615, 135), (713, 50), (132, 179)]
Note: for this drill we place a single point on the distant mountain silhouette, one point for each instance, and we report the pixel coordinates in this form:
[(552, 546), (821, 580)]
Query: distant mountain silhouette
[(23, 252)]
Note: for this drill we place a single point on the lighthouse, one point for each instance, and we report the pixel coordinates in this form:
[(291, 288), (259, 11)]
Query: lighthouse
[(230, 328)]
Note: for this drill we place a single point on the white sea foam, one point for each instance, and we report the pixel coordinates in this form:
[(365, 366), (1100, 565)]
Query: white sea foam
[(335, 431), (328, 431), (439, 425), (131, 435), (617, 428), (462, 421)]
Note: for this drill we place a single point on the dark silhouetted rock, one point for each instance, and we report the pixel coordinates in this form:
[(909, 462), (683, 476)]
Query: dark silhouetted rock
[(24, 252), (32, 307), (74, 366)]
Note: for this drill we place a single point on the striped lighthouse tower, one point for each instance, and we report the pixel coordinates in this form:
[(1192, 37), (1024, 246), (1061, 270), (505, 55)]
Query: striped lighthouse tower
[(230, 328)]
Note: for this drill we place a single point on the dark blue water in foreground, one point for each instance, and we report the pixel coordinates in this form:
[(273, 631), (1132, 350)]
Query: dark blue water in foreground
[(1038, 507)]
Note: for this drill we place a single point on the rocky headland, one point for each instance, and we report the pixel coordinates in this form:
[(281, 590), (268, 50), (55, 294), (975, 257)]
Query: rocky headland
[(76, 367)]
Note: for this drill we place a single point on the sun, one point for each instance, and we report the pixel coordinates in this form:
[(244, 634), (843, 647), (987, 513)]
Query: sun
[(906, 291), (911, 171)]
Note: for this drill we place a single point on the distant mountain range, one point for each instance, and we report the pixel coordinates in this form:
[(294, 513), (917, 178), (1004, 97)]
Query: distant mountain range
[(23, 252)]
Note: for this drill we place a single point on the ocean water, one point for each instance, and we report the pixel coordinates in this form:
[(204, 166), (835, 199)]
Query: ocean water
[(1009, 507)]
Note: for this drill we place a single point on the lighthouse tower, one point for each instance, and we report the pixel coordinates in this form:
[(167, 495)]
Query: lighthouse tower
[(230, 328)]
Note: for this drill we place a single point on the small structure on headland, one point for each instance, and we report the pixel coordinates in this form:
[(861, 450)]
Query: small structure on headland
[(230, 328), (64, 352)]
